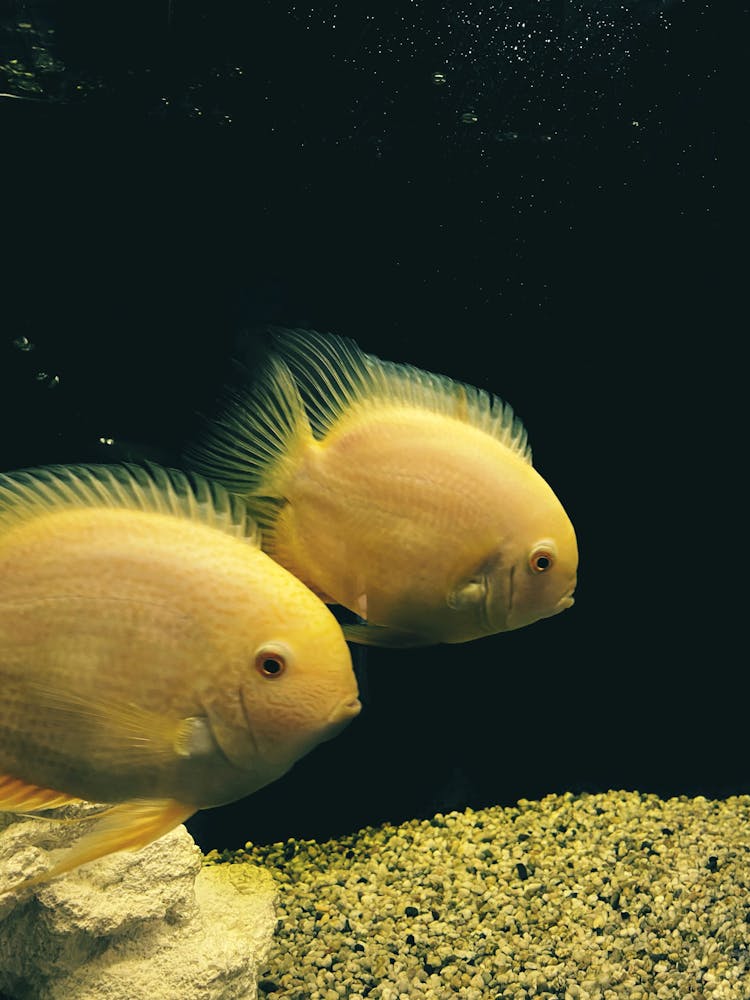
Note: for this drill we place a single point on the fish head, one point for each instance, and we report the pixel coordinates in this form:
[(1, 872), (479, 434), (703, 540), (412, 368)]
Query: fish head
[(297, 686), (524, 570)]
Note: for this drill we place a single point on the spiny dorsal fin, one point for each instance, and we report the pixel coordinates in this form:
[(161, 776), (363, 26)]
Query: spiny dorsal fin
[(31, 493), (336, 377), (301, 392)]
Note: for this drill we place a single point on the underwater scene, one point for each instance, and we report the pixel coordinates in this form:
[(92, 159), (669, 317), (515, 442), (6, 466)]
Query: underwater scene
[(367, 557)]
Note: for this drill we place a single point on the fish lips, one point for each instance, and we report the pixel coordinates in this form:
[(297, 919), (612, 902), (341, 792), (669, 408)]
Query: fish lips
[(511, 618), (567, 600), (563, 604), (341, 716)]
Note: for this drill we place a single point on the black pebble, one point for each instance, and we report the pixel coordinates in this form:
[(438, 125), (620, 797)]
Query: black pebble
[(358, 947), (713, 863), (268, 986), (411, 911), (410, 939), (522, 872)]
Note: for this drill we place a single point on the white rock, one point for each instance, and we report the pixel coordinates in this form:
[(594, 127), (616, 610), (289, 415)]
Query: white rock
[(132, 926)]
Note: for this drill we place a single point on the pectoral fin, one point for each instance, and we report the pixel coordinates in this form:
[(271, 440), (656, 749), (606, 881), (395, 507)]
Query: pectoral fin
[(126, 734), (126, 827), (379, 635)]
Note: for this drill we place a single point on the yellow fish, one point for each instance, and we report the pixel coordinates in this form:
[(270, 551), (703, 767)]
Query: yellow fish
[(404, 496), (151, 655)]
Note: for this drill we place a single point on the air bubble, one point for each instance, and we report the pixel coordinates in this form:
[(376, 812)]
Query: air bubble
[(438, 79), (469, 118), (23, 344)]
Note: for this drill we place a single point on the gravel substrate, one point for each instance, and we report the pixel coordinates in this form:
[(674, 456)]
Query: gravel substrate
[(571, 898)]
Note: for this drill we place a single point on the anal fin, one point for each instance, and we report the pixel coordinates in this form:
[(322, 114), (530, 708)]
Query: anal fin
[(18, 796), (125, 827)]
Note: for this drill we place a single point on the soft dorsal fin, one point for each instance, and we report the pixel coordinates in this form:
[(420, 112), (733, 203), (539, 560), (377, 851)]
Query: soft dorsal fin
[(255, 441), (32, 493), (336, 378)]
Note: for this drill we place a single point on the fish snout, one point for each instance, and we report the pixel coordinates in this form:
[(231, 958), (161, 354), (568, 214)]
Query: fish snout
[(341, 716), (567, 600), (347, 710)]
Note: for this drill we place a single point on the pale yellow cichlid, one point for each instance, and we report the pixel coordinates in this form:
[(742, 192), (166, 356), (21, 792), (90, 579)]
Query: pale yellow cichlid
[(404, 496), (151, 655)]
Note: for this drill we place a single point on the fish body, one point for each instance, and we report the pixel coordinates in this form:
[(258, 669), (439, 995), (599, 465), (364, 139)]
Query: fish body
[(404, 496), (151, 654)]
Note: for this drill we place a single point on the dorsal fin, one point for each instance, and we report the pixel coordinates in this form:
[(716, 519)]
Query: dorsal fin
[(31, 493), (336, 378), (255, 442)]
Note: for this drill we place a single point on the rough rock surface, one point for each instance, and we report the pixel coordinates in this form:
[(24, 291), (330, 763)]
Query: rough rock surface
[(132, 926)]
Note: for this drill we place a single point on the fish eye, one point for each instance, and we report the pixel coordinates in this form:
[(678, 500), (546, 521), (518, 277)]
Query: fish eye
[(542, 559), (271, 660)]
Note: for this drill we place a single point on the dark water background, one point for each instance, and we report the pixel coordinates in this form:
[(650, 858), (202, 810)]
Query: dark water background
[(520, 195)]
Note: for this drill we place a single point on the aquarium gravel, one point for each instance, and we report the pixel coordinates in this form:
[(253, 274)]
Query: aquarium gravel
[(585, 897)]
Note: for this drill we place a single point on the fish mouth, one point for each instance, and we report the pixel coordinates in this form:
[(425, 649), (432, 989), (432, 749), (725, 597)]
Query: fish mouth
[(346, 711), (341, 716), (567, 600)]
